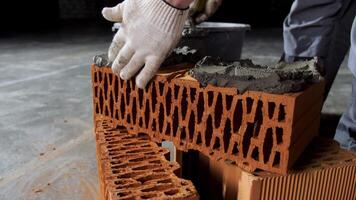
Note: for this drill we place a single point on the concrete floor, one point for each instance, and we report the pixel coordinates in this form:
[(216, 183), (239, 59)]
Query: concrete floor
[(47, 149)]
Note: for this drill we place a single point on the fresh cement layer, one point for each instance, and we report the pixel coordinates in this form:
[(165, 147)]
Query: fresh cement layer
[(182, 55), (178, 56), (101, 60), (244, 75)]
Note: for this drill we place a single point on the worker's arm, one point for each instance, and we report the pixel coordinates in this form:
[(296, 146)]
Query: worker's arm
[(149, 30)]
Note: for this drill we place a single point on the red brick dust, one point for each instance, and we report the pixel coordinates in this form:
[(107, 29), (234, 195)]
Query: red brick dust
[(256, 130), (131, 166)]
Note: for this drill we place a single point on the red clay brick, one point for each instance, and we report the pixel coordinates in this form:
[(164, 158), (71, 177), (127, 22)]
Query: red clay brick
[(131, 166), (325, 172), (256, 130)]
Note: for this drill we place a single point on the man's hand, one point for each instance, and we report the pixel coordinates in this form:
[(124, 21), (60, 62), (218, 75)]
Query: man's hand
[(201, 10), (149, 30)]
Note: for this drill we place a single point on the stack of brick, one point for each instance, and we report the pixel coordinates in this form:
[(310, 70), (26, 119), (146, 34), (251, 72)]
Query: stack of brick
[(323, 172), (254, 130), (131, 166)]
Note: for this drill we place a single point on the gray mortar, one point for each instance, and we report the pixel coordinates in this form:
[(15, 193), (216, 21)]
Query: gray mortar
[(102, 60), (243, 74), (246, 76), (194, 31), (178, 56), (182, 55)]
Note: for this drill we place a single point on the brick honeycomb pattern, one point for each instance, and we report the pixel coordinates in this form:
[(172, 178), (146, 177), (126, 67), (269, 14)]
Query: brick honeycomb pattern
[(131, 166), (325, 172), (256, 130)]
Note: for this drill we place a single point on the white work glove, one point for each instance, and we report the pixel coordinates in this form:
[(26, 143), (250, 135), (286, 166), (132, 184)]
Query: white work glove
[(200, 11), (149, 30)]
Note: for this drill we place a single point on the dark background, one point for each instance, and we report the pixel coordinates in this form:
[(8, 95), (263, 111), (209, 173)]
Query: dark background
[(45, 15)]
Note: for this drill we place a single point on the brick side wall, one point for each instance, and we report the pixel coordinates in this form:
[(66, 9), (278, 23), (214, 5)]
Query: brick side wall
[(256, 130)]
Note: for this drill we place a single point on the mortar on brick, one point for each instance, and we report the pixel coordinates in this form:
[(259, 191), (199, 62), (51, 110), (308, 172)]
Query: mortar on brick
[(182, 55), (102, 60), (179, 55), (244, 75)]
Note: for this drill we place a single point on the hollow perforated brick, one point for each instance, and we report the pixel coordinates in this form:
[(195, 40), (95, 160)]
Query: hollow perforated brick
[(131, 166), (256, 130), (324, 172)]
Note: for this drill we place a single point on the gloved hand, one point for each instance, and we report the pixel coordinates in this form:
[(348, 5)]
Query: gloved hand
[(149, 30), (201, 10)]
